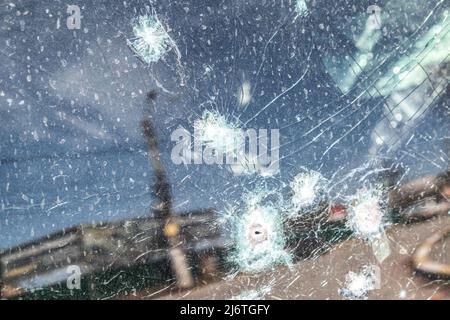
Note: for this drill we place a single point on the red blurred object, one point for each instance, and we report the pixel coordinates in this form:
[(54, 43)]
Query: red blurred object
[(337, 212)]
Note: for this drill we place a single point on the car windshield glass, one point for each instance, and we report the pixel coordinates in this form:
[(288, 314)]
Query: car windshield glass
[(248, 121)]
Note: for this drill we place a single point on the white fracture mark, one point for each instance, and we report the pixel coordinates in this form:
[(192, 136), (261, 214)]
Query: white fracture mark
[(217, 132), (151, 40), (358, 285), (366, 213), (259, 236)]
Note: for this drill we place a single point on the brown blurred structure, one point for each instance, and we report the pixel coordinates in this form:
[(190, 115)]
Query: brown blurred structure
[(422, 198), (101, 248)]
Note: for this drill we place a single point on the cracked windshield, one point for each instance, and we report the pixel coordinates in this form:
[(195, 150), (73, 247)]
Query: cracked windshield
[(239, 149)]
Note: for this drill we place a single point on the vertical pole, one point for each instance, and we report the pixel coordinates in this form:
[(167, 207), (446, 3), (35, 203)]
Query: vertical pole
[(171, 230)]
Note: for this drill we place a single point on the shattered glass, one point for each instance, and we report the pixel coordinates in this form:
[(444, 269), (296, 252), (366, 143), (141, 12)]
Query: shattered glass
[(270, 149)]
